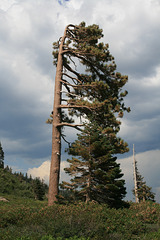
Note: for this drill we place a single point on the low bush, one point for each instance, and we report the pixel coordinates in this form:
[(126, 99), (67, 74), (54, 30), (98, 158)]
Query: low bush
[(37, 221)]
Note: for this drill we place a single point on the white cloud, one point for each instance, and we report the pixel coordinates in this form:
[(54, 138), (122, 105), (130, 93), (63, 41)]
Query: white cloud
[(30, 82), (43, 171), (76, 5), (6, 4)]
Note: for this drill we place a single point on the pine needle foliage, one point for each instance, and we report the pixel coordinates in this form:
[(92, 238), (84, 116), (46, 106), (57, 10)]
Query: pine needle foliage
[(89, 74)]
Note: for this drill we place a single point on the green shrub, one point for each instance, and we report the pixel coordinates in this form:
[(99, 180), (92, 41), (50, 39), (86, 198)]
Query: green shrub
[(24, 219)]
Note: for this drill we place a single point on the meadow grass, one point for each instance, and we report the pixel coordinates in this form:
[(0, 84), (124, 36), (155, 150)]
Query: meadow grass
[(28, 219)]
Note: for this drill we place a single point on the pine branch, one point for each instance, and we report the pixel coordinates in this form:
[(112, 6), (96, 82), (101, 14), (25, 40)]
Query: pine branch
[(72, 94), (71, 70), (87, 61), (75, 106), (63, 136), (75, 86), (67, 83), (80, 56), (72, 25), (71, 33), (70, 50), (71, 77), (76, 126)]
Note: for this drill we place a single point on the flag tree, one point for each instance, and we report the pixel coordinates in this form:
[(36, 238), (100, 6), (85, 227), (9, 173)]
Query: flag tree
[(86, 85)]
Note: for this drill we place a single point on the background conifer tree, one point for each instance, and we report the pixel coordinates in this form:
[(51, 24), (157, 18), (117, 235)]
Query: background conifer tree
[(1, 156), (144, 192), (38, 188)]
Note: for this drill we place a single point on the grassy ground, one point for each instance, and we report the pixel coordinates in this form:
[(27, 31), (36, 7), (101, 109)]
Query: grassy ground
[(27, 219)]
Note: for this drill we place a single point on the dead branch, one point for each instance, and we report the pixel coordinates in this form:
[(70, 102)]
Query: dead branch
[(63, 136), (86, 60), (67, 83), (71, 70), (71, 77), (69, 124), (79, 55)]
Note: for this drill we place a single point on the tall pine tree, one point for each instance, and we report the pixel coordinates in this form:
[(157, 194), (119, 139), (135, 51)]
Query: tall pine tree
[(87, 82)]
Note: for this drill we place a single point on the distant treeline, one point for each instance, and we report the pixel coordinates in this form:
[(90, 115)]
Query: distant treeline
[(21, 184)]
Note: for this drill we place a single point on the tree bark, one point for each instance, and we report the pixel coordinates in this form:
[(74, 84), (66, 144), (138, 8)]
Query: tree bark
[(56, 130)]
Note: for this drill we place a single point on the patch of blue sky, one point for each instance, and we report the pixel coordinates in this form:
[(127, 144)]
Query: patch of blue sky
[(62, 1)]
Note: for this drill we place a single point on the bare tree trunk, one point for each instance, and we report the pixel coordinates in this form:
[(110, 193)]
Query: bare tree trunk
[(56, 131), (135, 178)]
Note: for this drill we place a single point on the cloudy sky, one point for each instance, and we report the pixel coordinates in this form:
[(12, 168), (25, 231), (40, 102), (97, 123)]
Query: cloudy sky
[(27, 31)]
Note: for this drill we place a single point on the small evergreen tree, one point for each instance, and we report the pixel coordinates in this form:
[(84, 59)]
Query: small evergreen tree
[(95, 173), (38, 188), (1, 156), (144, 192)]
